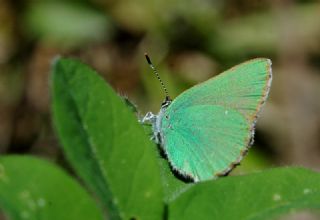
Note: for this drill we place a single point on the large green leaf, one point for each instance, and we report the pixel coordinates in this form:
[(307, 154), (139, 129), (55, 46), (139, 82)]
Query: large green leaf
[(262, 195), (172, 186), (31, 188), (105, 143)]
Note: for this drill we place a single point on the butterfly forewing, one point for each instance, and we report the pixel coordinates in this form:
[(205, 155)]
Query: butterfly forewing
[(207, 129)]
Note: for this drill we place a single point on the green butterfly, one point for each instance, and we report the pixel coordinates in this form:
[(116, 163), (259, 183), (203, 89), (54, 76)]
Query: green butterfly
[(207, 130)]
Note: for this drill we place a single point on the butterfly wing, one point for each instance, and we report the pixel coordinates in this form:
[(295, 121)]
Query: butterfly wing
[(207, 129)]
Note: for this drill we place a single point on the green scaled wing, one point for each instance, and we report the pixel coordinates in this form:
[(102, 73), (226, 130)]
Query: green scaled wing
[(207, 129)]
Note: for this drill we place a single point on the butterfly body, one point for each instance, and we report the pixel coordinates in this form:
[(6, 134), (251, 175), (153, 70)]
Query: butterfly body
[(206, 131)]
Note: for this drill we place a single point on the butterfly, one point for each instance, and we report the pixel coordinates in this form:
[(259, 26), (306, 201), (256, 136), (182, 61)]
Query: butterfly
[(207, 130)]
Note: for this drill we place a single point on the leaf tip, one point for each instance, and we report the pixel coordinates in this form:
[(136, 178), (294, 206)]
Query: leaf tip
[(55, 60)]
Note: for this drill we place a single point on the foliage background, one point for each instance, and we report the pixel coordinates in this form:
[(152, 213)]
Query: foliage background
[(189, 41)]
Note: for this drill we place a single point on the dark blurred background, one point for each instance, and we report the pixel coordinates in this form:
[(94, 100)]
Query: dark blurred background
[(188, 41)]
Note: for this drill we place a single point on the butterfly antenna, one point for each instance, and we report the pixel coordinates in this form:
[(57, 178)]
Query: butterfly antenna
[(158, 77)]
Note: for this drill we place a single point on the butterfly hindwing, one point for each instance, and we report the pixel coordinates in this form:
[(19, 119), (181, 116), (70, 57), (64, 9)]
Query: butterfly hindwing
[(198, 147), (207, 129)]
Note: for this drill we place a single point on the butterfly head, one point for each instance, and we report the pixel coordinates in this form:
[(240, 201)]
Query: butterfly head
[(166, 102)]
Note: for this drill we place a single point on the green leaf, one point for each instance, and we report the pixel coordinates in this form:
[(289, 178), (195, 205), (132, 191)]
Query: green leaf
[(172, 186), (66, 23), (263, 195), (105, 143), (31, 188), (254, 161)]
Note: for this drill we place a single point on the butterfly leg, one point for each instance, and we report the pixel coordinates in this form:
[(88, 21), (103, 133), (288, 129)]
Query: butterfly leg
[(151, 119), (148, 118)]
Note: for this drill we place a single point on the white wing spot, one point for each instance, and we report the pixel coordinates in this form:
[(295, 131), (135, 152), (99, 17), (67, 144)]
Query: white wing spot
[(226, 112)]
